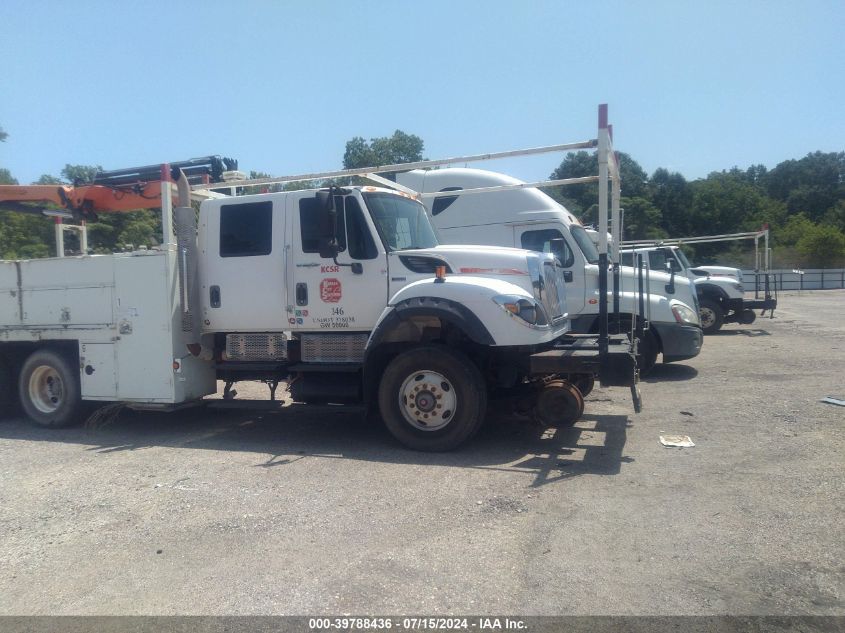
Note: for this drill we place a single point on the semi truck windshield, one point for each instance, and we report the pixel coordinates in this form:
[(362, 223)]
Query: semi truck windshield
[(586, 245), (402, 223)]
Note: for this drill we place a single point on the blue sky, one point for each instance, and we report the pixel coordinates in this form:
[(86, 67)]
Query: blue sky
[(281, 86)]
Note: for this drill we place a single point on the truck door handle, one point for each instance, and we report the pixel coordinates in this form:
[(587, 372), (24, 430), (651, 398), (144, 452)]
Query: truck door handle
[(214, 296), (301, 294), (567, 276)]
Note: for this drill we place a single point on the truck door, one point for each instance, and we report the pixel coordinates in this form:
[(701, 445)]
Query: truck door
[(243, 279), (538, 237), (345, 296)]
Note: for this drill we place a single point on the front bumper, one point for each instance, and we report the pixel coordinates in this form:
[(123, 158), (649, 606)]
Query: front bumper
[(680, 342)]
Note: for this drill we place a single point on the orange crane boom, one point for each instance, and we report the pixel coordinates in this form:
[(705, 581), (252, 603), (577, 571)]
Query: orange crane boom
[(84, 201), (114, 191)]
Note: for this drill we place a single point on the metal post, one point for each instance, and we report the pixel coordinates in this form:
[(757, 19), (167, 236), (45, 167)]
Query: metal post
[(60, 238), (83, 237), (603, 262), (169, 236), (641, 311)]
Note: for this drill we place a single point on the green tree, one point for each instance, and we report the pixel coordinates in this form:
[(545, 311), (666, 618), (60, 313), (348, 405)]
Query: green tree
[(641, 220), (581, 198), (823, 246), (810, 185), (672, 195), (47, 179), (80, 173), (385, 150), (6, 177), (792, 231)]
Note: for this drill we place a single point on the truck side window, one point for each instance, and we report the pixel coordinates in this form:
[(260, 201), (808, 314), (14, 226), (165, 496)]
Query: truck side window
[(246, 230), (441, 204), (541, 241), (657, 260), (626, 259), (310, 228), (358, 236)]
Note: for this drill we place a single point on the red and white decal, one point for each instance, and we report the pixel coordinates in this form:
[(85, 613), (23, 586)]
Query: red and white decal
[(492, 271), (331, 290)]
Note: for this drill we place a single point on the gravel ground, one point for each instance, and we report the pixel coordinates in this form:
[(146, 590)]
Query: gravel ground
[(310, 511)]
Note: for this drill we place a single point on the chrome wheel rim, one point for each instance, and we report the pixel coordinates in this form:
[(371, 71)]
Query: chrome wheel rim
[(707, 317), (46, 389), (427, 400)]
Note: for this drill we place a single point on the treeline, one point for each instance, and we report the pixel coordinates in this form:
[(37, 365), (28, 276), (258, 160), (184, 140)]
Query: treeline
[(802, 201)]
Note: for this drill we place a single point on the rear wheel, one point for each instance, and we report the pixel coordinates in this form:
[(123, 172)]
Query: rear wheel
[(432, 398), (712, 316), (559, 403), (49, 389)]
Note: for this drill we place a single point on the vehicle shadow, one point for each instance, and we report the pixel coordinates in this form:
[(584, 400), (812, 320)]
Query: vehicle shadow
[(506, 443), (742, 332), (670, 372)]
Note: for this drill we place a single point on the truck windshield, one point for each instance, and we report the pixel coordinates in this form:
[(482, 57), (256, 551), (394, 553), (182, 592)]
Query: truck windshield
[(402, 223), (585, 243), (679, 254)]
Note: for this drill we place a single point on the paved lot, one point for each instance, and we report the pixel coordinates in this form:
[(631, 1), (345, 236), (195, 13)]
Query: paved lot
[(315, 511)]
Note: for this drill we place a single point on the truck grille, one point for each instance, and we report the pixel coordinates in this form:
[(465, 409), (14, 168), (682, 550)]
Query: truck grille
[(553, 291), (256, 347), (333, 348)]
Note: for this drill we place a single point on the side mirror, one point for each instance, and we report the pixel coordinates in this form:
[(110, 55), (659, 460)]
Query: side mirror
[(670, 287), (557, 245), (327, 221), (328, 248)]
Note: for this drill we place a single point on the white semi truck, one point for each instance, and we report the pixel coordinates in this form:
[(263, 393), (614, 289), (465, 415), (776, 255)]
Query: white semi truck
[(720, 289), (528, 218), (342, 293)]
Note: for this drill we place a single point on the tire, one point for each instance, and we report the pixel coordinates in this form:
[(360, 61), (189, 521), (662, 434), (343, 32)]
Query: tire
[(583, 382), (432, 398), (49, 390), (648, 350), (7, 390), (712, 316), (559, 404), (747, 316)]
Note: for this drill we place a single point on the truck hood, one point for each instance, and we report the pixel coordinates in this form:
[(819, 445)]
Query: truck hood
[(720, 271), (477, 260), (534, 273)]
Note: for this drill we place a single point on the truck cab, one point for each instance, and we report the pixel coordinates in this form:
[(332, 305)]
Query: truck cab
[(528, 218), (720, 292)]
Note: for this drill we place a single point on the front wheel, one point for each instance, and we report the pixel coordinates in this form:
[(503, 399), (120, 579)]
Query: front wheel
[(432, 398), (712, 316), (647, 350), (49, 389)]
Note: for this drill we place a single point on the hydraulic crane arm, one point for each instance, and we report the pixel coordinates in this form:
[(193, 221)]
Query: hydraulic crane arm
[(84, 201), (114, 191)]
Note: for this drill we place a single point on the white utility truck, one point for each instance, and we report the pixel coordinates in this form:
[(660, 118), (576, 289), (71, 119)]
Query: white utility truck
[(342, 293), (720, 289), (528, 218)]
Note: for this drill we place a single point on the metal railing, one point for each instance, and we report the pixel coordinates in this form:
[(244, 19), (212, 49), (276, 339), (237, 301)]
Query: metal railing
[(797, 279)]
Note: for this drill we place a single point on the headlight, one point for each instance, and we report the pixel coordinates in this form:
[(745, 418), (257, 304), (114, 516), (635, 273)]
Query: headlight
[(529, 311), (685, 314)]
